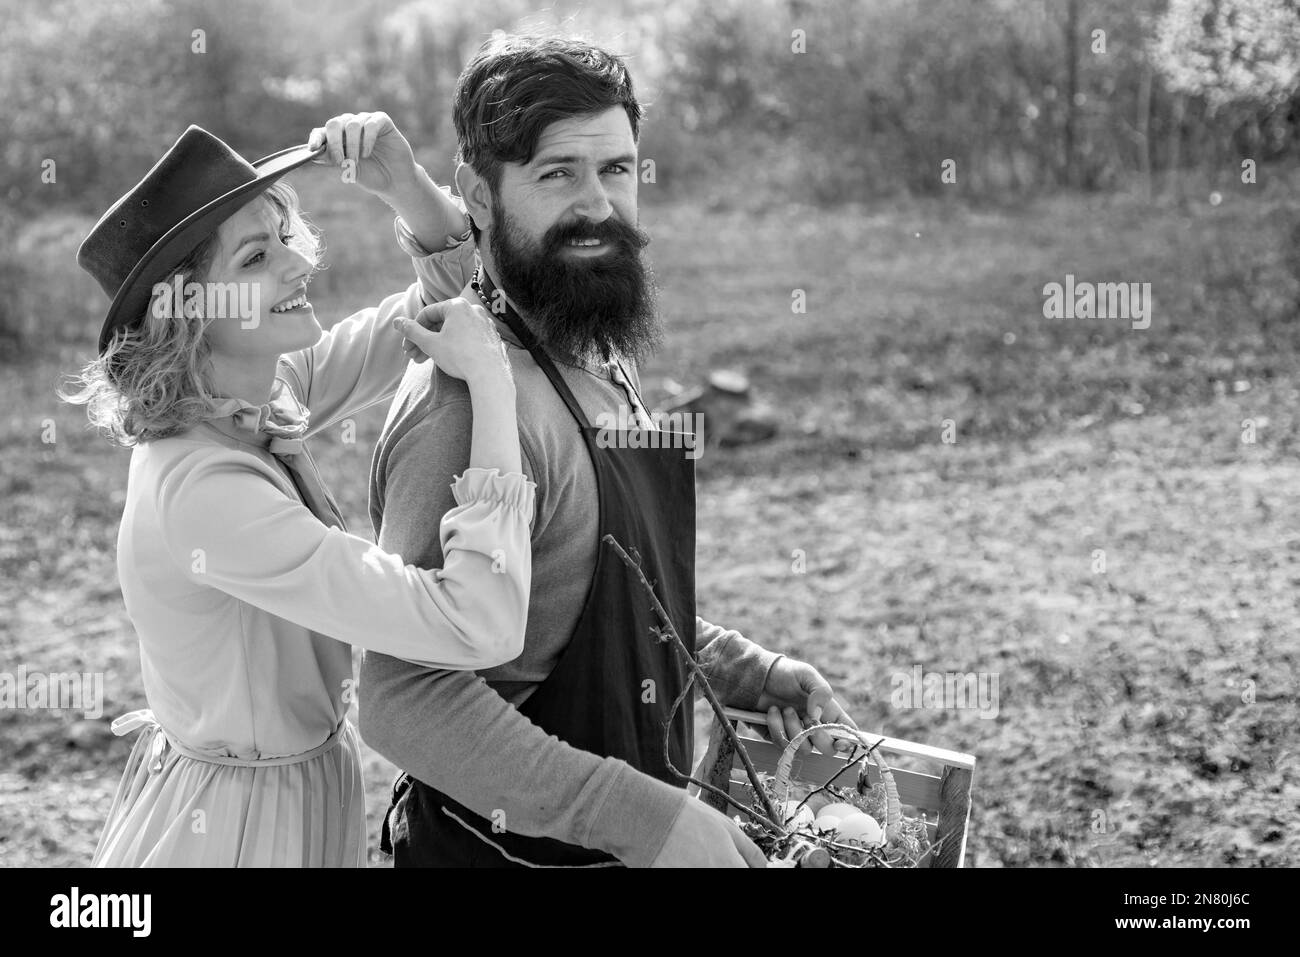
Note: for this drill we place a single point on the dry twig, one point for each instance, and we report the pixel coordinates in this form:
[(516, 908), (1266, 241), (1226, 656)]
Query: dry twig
[(669, 632)]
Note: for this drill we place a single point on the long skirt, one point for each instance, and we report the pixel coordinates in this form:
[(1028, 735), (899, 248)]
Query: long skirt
[(178, 808)]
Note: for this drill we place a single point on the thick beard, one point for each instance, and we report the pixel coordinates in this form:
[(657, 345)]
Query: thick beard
[(574, 304)]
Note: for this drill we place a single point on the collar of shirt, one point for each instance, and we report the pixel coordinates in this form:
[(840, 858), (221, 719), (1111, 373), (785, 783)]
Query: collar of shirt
[(279, 424)]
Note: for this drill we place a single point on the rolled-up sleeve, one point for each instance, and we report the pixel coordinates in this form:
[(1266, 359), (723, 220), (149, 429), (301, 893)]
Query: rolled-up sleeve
[(443, 274), (735, 666)]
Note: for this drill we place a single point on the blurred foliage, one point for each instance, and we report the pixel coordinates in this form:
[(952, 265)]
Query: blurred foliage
[(1230, 51), (889, 89), (882, 93)]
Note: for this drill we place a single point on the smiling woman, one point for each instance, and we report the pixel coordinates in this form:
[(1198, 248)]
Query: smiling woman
[(240, 578), (151, 381), (266, 248)]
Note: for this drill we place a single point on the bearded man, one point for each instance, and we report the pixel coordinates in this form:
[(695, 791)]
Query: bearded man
[(558, 758)]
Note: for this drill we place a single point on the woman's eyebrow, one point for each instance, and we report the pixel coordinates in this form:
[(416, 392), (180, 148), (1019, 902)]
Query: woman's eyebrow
[(258, 238)]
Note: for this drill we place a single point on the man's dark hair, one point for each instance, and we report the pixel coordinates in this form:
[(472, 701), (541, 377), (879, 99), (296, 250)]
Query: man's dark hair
[(518, 85)]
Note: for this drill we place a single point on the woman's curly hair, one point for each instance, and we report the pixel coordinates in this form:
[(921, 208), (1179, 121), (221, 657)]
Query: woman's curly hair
[(153, 379)]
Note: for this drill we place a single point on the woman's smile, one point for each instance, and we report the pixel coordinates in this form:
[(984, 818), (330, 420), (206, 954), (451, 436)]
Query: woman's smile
[(295, 303)]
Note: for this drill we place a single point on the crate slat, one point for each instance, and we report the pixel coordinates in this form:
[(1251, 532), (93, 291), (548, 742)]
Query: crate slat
[(954, 816), (914, 787), (956, 759)]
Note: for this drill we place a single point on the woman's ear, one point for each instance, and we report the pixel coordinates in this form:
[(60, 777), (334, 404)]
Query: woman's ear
[(473, 188)]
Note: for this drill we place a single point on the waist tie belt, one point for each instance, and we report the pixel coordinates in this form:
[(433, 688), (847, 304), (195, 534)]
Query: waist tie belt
[(144, 718)]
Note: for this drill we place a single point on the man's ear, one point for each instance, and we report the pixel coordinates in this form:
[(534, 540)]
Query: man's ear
[(474, 189)]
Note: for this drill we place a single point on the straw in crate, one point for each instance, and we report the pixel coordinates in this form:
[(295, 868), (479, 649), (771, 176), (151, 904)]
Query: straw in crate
[(944, 798)]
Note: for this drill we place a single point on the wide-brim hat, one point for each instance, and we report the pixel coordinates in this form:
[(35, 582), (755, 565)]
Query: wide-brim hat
[(198, 184)]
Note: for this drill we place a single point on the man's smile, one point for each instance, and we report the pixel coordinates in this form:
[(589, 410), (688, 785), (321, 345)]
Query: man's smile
[(588, 247)]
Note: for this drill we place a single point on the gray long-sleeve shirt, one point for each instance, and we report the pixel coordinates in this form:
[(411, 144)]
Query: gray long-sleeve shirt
[(462, 732)]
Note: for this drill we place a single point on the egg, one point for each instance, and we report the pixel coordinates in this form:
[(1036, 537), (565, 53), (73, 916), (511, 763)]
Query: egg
[(793, 815), (818, 801), (826, 822), (840, 809), (860, 829)]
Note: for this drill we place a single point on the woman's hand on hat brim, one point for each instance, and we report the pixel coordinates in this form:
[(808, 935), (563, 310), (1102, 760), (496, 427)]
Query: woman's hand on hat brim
[(369, 150)]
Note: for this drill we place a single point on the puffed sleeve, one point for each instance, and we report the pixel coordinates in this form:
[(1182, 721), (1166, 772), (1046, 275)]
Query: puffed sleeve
[(263, 547)]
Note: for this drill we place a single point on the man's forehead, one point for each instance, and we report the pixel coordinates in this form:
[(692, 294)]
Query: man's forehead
[(593, 133)]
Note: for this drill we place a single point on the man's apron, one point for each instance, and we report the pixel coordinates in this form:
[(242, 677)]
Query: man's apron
[(615, 683)]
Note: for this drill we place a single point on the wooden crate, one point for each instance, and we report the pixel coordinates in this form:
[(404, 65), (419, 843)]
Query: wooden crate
[(944, 796)]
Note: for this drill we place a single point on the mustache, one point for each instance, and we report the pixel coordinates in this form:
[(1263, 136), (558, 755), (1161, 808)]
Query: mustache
[(611, 230)]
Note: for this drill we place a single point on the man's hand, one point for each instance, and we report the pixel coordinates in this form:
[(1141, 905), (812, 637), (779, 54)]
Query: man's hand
[(703, 837), (381, 157), (795, 696)]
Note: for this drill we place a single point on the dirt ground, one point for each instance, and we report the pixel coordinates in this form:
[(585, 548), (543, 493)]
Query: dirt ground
[(1099, 536)]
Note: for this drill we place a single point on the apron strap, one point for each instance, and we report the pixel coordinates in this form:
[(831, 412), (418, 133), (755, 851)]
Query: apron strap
[(519, 860)]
